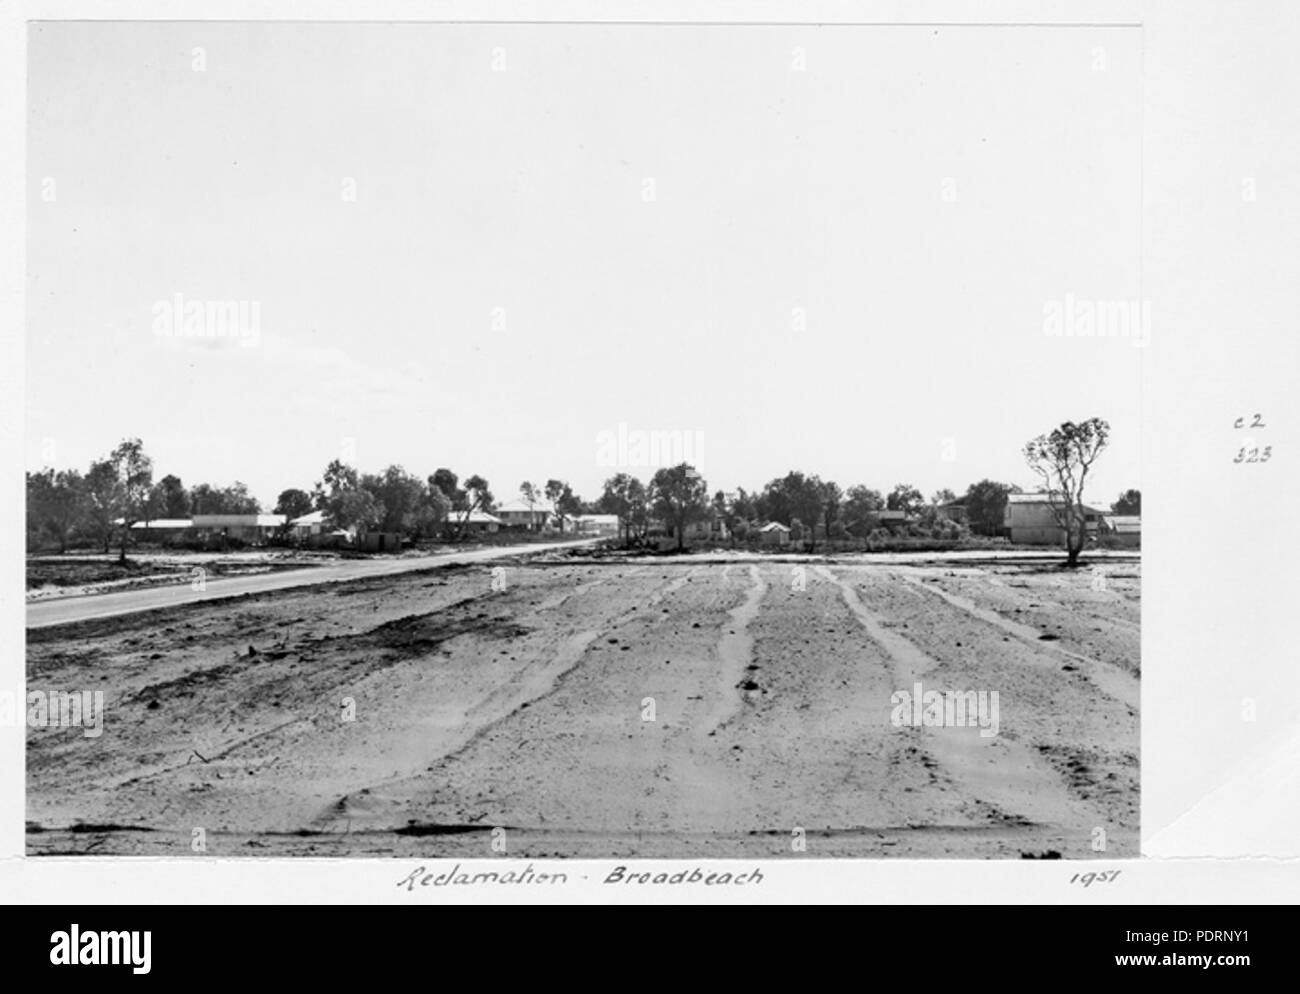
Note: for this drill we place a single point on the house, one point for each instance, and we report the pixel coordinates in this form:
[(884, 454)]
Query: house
[(517, 514), (160, 529), (774, 533), (1125, 529), (380, 542), (953, 510), (310, 525), (707, 529), (245, 527), (892, 520), (595, 524), (1030, 520), (478, 522)]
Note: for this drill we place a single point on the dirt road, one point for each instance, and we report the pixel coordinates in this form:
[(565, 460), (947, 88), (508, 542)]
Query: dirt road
[(605, 708), (62, 611)]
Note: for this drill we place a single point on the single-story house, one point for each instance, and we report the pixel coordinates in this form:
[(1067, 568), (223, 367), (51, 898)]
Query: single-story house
[(892, 519), (953, 510), (479, 521), (595, 524), (1030, 520), (160, 528), (517, 514), (310, 525), (1126, 528), (246, 527), (774, 533)]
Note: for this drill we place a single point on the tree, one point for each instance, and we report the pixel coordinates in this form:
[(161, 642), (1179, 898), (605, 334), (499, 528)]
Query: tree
[(401, 496), (477, 495), (530, 496), (905, 498), (103, 490), (638, 498), (944, 496), (1129, 502), (134, 470), (860, 507), (447, 482), (986, 505), (432, 512), (743, 506), (56, 506), (615, 500), (356, 509), (235, 499), (773, 504), (568, 504), (559, 493), (174, 500), (831, 496), (803, 498), (679, 496), (1063, 459), (293, 503)]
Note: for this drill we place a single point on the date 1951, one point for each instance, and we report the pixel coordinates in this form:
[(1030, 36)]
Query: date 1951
[(1088, 879)]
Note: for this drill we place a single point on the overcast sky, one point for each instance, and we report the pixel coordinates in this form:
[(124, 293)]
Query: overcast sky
[(823, 249)]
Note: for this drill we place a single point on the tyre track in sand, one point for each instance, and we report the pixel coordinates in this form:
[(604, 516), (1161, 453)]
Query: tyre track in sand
[(386, 804), (996, 771), (1112, 681)]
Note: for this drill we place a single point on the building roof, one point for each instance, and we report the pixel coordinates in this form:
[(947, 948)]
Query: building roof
[(239, 520), (1125, 523), (597, 519), (162, 523), (1038, 498), (891, 515), (314, 518), (519, 507), (774, 526), (480, 518), (1042, 498)]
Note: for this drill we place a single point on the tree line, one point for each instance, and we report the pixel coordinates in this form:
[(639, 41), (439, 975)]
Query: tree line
[(119, 491)]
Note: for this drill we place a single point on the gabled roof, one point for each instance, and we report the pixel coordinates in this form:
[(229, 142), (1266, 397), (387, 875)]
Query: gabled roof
[(519, 507), (479, 518), (774, 526), (1125, 523), (162, 523), (1042, 498), (314, 518)]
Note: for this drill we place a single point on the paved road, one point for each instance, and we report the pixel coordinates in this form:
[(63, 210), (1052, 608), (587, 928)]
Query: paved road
[(64, 610)]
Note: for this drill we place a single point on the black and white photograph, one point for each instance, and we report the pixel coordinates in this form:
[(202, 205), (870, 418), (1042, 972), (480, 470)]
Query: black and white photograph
[(581, 440)]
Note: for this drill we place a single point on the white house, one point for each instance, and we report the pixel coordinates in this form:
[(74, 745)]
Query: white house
[(595, 524), (517, 514), (478, 521), (1030, 520), (315, 523)]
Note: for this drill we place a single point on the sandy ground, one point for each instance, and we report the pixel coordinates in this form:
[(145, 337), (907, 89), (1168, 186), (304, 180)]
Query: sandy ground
[(413, 715)]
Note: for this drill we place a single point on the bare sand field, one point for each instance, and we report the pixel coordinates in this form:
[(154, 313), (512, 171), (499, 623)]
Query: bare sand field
[(605, 707)]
